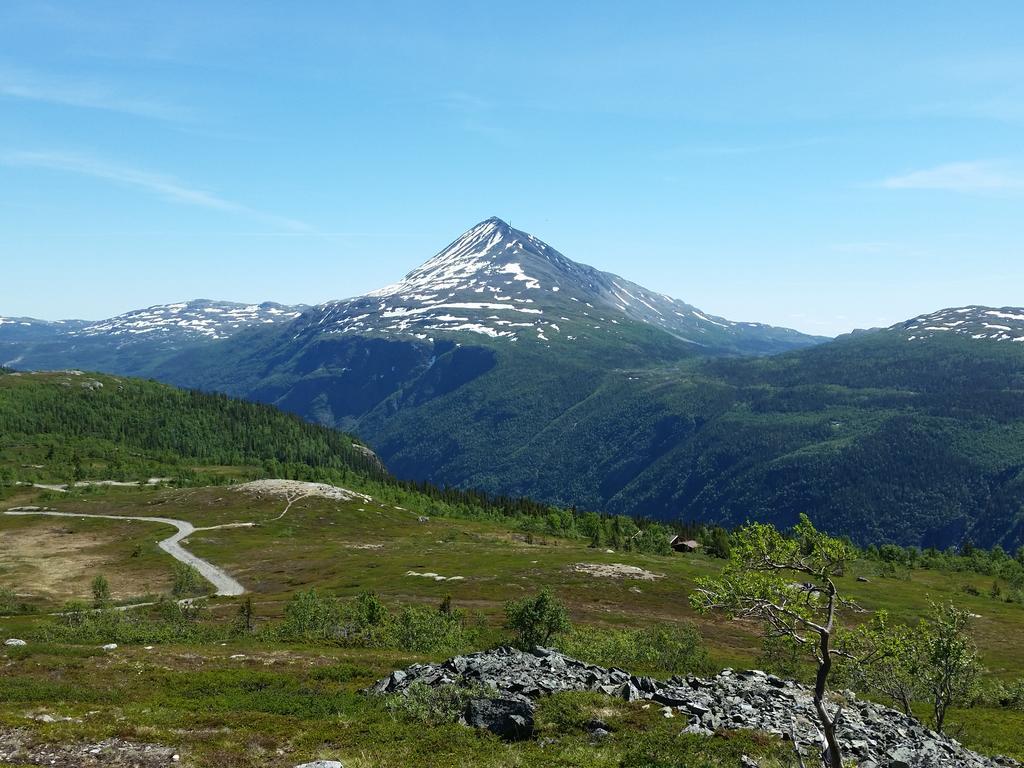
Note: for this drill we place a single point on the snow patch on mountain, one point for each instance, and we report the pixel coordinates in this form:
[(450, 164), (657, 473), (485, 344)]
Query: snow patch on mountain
[(193, 319), (493, 274), (975, 322)]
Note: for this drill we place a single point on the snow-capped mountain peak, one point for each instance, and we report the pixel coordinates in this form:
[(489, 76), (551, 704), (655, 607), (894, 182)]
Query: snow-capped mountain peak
[(485, 256), (501, 282)]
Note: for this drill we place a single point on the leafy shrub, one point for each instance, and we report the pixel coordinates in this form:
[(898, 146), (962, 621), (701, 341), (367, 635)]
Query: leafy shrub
[(188, 582), (100, 592), (674, 649), (435, 706), (535, 620), (424, 630), (168, 622), (311, 616), (11, 604), (1000, 693), (365, 622)]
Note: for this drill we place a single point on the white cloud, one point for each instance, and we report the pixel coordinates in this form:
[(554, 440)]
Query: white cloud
[(163, 186), (978, 176), (85, 94)]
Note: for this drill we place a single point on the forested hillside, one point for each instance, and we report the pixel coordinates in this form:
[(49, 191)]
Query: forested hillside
[(876, 438), (65, 427), (68, 425)]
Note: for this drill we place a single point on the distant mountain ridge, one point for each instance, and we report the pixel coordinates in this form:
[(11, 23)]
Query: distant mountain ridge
[(493, 280), (502, 365)]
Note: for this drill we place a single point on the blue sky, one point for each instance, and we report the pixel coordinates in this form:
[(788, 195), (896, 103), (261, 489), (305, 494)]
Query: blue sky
[(823, 166)]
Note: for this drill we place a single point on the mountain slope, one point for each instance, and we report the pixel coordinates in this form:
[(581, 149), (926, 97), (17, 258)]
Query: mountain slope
[(877, 437), (500, 282), (130, 343)]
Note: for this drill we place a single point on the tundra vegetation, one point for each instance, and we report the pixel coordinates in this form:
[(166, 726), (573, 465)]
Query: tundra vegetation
[(331, 607)]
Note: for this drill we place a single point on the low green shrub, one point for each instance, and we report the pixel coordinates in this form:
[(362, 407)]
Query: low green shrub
[(536, 620), (1002, 693), (365, 622), (435, 706), (188, 582), (12, 605), (665, 650), (167, 622)]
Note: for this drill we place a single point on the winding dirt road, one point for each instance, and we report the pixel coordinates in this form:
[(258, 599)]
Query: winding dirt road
[(221, 580)]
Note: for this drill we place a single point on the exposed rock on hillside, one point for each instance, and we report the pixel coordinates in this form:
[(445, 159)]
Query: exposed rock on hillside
[(872, 735), (298, 488), (19, 748)]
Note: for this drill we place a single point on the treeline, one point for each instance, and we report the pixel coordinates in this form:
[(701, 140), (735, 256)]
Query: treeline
[(1006, 569), (617, 532)]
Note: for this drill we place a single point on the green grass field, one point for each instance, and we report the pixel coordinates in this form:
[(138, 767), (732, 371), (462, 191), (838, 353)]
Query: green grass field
[(282, 702)]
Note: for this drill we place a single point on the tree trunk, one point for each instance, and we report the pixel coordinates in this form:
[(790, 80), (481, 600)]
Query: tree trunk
[(908, 709), (940, 711), (828, 725)]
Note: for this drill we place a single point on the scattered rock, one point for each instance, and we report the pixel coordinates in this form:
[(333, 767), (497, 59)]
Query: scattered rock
[(872, 734), (616, 571), (434, 576), (298, 488), (46, 717), (110, 647), (322, 764), (19, 747)]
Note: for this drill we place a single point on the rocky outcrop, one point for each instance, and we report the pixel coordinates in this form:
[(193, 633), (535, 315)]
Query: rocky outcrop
[(510, 718), (20, 747), (873, 735)]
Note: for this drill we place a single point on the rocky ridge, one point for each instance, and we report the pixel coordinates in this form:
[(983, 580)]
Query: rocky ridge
[(873, 735)]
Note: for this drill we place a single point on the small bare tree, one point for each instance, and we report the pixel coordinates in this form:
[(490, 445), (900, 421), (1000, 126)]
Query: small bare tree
[(759, 583)]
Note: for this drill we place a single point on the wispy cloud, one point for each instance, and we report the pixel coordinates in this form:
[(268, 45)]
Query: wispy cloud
[(977, 176), (166, 187), (18, 84)]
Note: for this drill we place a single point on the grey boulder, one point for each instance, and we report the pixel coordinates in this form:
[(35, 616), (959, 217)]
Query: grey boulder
[(509, 718)]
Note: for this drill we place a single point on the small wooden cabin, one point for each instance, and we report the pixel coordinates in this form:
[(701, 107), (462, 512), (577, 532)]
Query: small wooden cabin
[(680, 544)]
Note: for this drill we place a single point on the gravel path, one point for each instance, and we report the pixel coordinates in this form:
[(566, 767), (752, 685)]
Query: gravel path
[(224, 583)]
